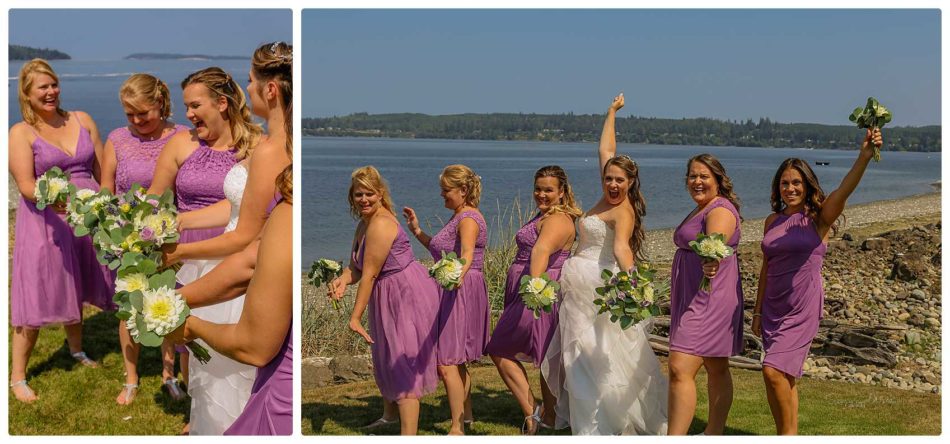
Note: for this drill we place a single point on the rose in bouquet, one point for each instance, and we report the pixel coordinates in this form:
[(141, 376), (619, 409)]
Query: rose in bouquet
[(710, 248), (150, 306), (630, 296), (539, 293), (324, 270), (873, 115), (52, 188), (448, 271)]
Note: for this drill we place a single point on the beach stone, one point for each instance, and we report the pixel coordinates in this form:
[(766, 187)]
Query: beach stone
[(932, 323), (875, 244), (351, 368), (911, 337), (903, 316), (918, 294), (315, 373)]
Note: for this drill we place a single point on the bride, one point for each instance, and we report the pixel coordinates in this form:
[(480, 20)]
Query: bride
[(607, 380)]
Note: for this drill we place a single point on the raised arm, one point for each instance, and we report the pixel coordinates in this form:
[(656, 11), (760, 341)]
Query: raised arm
[(413, 222), (268, 307), (166, 167), (265, 164), (623, 230), (555, 231), (109, 163), (380, 235), (608, 137), (21, 160), (86, 121), (834, 204)]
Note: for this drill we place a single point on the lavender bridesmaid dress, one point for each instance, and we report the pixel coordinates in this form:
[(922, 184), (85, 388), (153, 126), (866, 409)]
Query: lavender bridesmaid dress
[(269, 411), (54, 272), (707, 324), (794, 297), (518, 335), (199, 183), (136, 158), (464, 315), (403, 322)]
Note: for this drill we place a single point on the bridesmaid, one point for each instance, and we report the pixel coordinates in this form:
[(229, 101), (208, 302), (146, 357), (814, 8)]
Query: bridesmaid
[(262, 336), (705, 327), (129, 157), (402, 299), (194, 164), (788, 305), (544, 243), (464, 315), (53, 271)]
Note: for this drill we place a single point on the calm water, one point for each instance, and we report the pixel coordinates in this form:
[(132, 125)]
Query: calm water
[(93, 86), (412, 168)]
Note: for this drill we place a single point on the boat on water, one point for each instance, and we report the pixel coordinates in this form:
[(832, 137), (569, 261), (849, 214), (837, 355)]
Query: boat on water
[(822, 162)]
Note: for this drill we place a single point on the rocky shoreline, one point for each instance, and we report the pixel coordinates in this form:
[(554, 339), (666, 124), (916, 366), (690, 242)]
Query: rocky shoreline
[(882, 318)]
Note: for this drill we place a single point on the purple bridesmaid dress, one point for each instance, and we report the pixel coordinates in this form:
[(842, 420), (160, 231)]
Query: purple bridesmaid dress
[(403, 322), (269, 410), (794, 297), (54, 272), (518, 335), (707, 324), (136, 158), (199, 183), (464, 314)]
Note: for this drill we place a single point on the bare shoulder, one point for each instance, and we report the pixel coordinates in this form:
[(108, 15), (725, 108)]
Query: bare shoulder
[(769, 220), (721, 212), (84, 119), (20, 131)]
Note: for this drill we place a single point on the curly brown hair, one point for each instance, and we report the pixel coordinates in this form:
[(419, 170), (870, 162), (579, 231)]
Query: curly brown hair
[(568, 204), (814, 195)]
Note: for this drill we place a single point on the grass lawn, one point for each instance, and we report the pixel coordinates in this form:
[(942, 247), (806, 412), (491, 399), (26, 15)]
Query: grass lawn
[(827, 408), (76, 400)]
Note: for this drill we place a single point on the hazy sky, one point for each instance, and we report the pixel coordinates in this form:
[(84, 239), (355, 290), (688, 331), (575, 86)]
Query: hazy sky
[(110, 34), (789, 65)]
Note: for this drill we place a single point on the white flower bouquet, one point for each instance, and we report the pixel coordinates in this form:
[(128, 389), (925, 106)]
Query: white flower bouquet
[(447, 272), (538, 294), (52, 187), (322, 272), (151, 308), (710, 248), (630, 297), (873, 115)]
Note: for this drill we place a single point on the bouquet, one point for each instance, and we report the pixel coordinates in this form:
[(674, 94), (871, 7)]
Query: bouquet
[(448, 271), (538, 294), (873, 115), (150, 306), (52, 187), (630, 296), (712, 247), (322, 271), (86, 208)]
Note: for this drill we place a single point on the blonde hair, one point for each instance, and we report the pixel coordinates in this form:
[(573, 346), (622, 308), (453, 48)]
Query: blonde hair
[(25, 80), (146, 88), (568, 204), (274, 62), (368, 177), (244, 133), (463, 178)]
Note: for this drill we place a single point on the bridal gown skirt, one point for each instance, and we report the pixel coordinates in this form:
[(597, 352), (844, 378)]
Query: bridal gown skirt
[(220, 389), (607, 380)]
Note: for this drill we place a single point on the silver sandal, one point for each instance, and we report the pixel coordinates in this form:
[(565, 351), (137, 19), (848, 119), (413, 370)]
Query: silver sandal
[(29, 391), (85, 360), (130, 391), (174, 391)]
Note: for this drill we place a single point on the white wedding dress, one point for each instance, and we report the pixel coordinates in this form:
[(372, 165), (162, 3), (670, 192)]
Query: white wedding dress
[(220, 389), (607, 380)]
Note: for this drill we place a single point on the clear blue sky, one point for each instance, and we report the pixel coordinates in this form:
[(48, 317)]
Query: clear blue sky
[(111, 34), (788, 65)]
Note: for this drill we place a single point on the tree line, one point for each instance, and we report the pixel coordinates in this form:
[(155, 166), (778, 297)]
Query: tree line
[(18, 52), (587, 127)]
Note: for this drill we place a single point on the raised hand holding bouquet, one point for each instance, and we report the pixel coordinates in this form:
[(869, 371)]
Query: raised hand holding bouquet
[(51, 188), (538, 294), (873, 115), (630, 297), (447, 272), (710, 248), (150, 306), (322, 272)]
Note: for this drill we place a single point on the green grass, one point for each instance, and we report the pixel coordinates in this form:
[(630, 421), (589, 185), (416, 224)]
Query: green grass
[(827, 408), (76, 400)]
